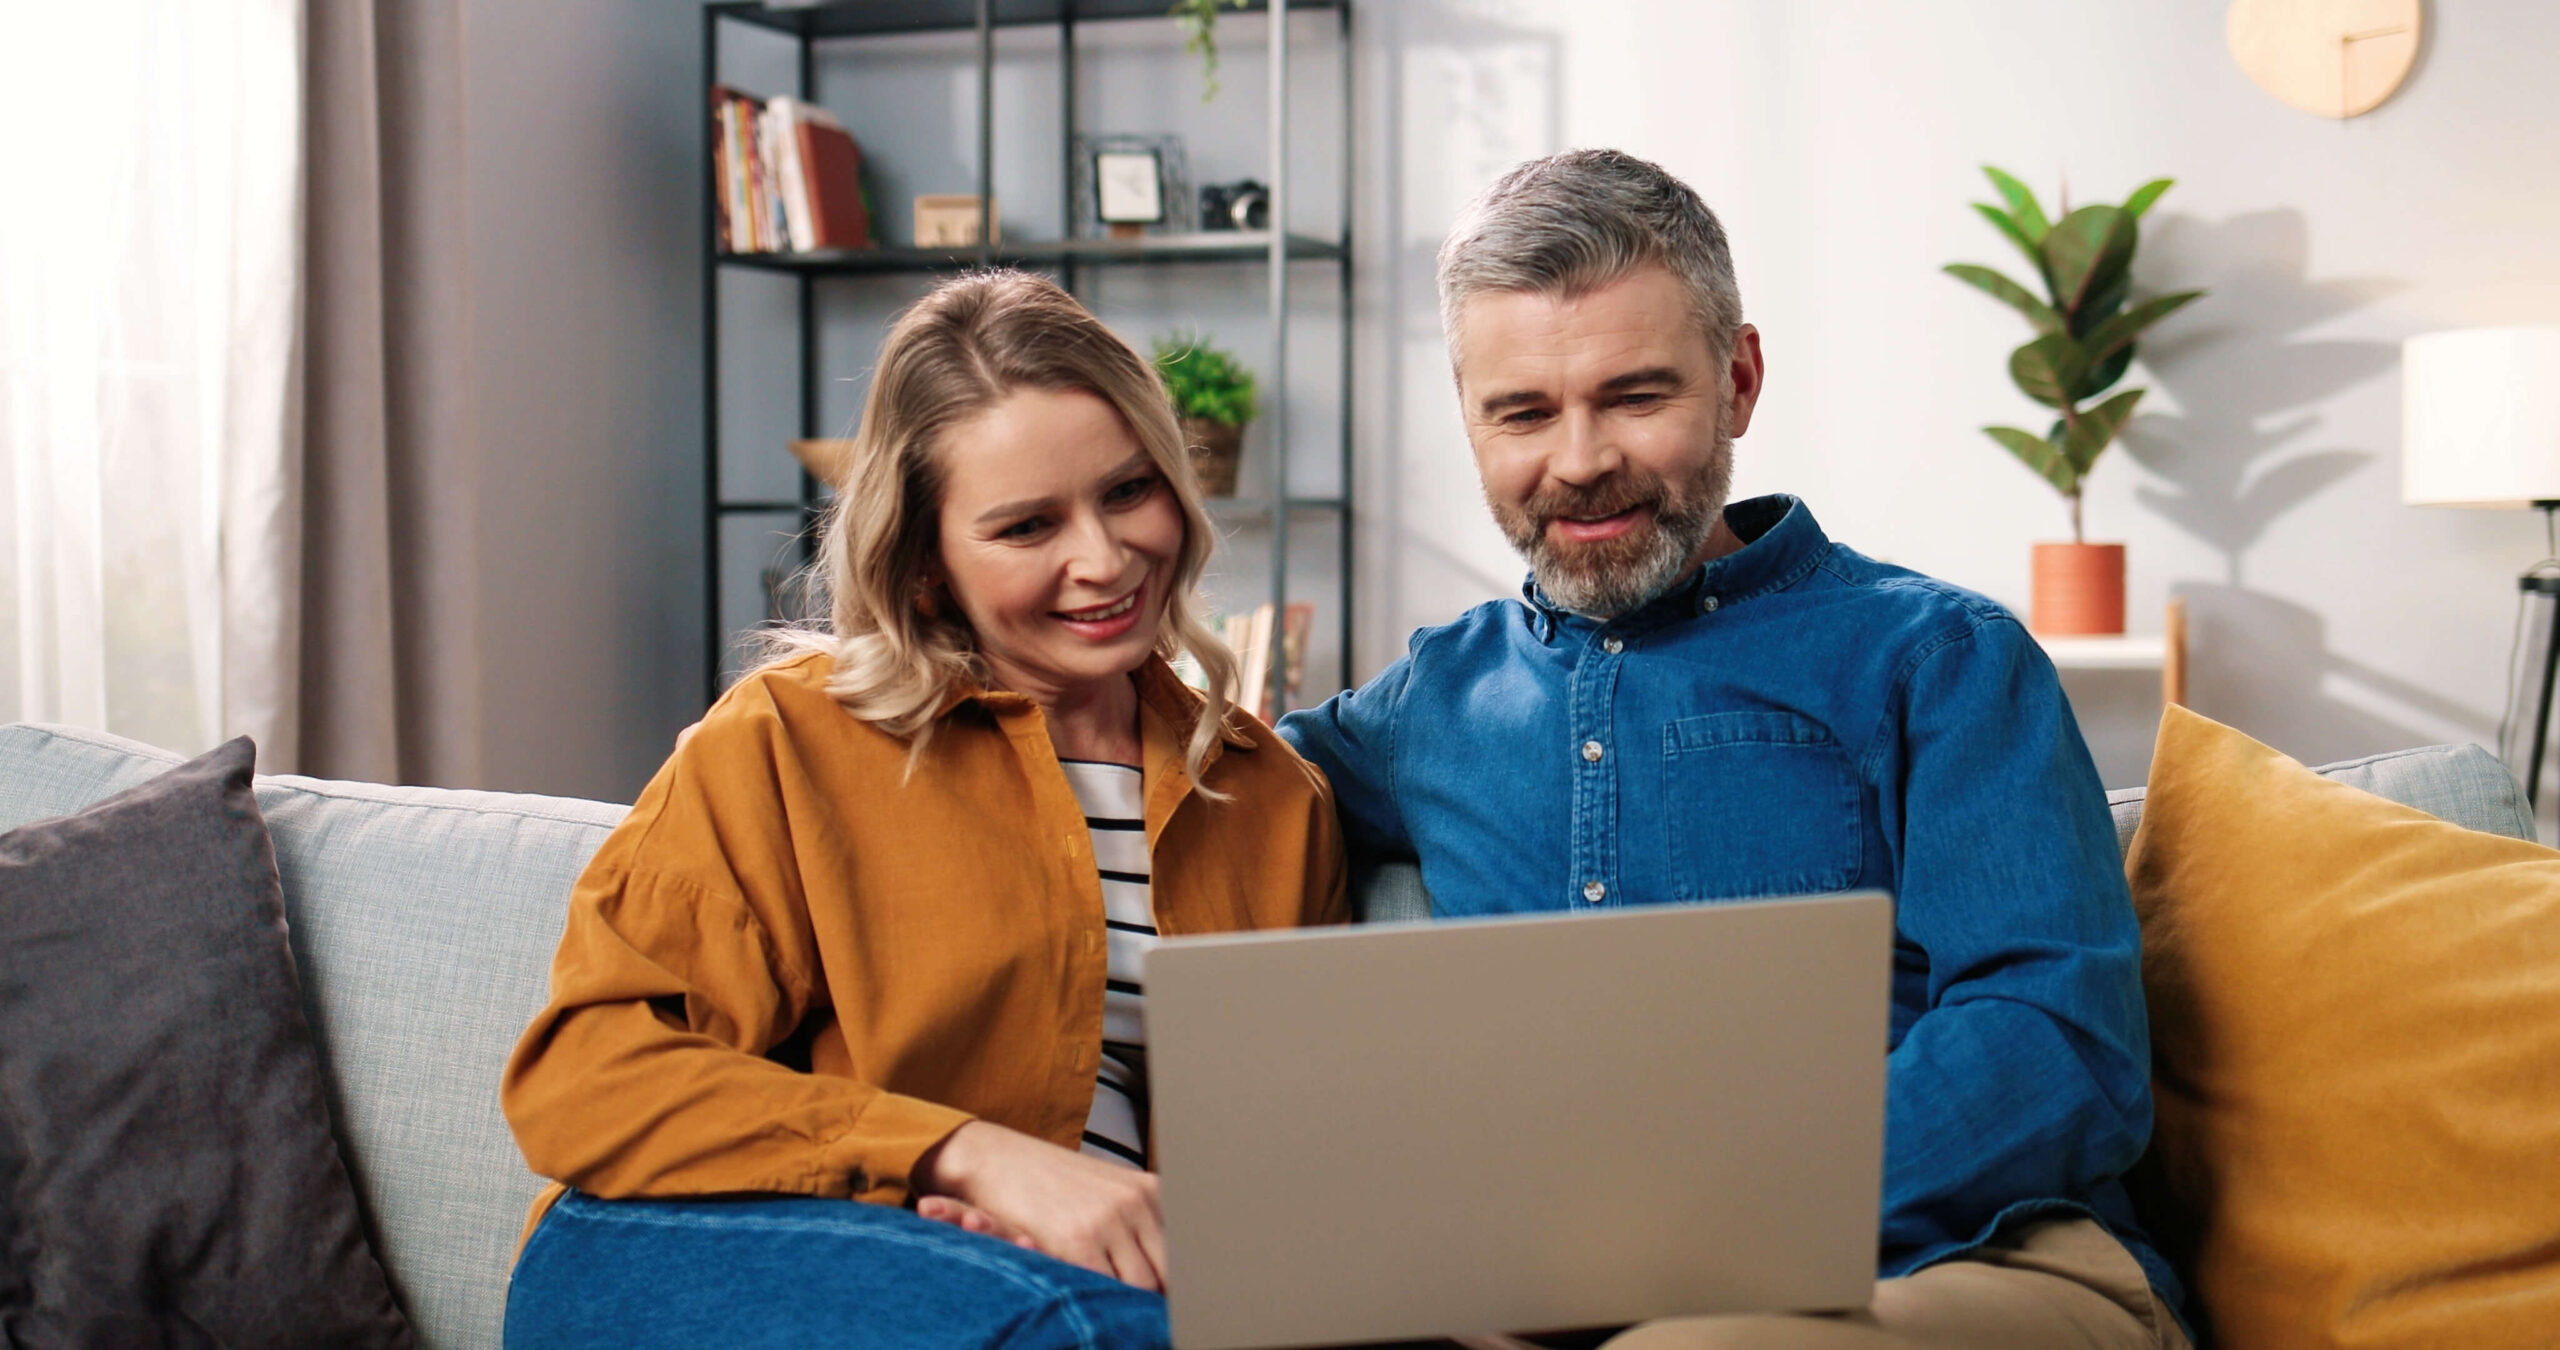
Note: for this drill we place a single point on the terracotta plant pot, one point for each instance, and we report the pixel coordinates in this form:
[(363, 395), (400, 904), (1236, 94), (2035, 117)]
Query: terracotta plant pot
[(1216, 451), (2078, 590)]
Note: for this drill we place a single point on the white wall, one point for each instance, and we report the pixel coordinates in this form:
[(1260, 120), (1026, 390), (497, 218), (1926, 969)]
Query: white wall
[(581, 137), (1840, 140)]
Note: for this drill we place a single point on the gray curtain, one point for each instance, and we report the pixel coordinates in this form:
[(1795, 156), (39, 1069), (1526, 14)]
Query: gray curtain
[(389, 636)]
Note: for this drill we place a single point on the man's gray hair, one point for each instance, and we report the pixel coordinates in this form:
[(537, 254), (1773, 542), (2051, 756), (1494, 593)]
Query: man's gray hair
[(1571, 223)]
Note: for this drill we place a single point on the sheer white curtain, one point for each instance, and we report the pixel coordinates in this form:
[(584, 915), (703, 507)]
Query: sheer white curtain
[(149, 291)]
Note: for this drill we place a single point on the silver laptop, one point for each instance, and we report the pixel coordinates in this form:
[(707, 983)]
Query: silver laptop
[(1520, 1124)]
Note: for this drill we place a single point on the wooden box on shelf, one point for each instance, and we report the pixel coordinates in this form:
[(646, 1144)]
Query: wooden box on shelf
[(825, 457), (950, 220)]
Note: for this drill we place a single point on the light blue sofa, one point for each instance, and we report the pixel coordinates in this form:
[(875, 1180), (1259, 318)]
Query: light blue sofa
[(423, 923)]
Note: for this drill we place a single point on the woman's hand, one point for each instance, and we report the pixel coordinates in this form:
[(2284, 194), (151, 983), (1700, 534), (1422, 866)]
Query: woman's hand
[(969, 1218), (1094, 1214)]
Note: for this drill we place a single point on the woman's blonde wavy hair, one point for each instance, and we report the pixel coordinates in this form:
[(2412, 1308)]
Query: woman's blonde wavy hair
[(958, 351)]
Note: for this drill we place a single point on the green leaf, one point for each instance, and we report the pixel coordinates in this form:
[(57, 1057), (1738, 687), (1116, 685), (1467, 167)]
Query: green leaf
[(2040, 455), (2101, 375), (2017, 235), (2096, 429), (2101, 306), (2145, 195), (2022, 204), (1205, 381), (2086, 252), (2120, 331), (2049, 368), (2009, 293), (1198, 20)]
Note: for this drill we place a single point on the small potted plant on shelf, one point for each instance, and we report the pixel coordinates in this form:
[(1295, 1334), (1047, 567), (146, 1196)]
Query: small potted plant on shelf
[(2085, 331), (1213, 395)]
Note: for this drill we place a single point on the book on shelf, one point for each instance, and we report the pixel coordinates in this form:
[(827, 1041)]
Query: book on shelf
[(1257, 639), (1249, 637), (786, 176), (828, 161), (1296, 622)]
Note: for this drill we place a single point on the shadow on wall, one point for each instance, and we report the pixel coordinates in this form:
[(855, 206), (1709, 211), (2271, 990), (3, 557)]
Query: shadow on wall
[(2246, 387), (2248, 446), (2315, 710), (1465, 92)]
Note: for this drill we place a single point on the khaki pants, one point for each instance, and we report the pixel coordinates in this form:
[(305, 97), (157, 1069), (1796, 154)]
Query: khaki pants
[(2063, 1282)]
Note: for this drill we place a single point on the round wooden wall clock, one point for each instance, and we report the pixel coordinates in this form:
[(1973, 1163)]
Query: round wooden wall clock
[(2337, 58)]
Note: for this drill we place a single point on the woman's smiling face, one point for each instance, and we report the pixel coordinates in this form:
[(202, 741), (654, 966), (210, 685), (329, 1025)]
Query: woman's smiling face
[(1058, 540)]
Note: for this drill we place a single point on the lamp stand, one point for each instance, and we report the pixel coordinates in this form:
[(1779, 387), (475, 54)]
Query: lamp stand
[(2538, 582)]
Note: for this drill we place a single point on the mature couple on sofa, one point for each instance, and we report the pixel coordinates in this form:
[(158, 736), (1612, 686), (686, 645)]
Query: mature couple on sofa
[(895, 956)]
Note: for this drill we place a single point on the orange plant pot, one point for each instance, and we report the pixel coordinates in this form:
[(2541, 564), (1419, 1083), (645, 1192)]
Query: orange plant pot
[(2077, 591)]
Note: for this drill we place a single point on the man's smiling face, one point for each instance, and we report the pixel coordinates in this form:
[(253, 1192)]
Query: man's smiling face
[(1602, 427)]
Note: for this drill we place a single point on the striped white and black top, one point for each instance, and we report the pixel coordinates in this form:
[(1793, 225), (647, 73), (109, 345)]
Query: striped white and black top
[(1114, 801)]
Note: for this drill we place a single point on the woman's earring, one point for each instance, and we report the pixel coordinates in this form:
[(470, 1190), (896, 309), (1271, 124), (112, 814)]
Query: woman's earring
[(927, 604)]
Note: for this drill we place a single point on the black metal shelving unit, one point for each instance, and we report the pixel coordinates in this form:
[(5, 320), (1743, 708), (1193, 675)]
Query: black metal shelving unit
[(1278, 249)]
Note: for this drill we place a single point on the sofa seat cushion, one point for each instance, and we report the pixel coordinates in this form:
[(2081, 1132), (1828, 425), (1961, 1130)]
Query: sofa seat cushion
[(174, 1177), (2356, 1037)]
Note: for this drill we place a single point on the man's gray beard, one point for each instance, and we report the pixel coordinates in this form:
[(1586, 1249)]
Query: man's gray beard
[(1604, 580)]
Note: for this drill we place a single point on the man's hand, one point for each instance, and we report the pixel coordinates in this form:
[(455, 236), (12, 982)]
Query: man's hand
[(1081, 1210)]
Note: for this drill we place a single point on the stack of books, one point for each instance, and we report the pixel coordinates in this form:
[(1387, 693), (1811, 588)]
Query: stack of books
[(786, 175), (1252, 638)]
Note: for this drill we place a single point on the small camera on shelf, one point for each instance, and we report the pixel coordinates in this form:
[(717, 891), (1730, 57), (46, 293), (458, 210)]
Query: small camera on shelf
[(1242, 205)]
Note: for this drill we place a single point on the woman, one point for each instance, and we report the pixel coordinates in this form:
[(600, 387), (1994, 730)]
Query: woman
[(873, 933)]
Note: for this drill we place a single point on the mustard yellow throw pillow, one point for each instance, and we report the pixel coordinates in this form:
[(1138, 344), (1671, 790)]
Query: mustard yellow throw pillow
[(2355, 1019)]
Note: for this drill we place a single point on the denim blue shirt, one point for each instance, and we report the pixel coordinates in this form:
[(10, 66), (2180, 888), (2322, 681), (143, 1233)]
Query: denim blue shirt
[(1799, 718)]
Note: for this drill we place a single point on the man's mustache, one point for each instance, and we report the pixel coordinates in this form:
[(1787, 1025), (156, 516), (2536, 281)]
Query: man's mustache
[(1595, 502)]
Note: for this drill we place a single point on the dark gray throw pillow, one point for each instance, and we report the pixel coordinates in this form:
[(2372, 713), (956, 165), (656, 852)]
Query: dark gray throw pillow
[(175, 1180)]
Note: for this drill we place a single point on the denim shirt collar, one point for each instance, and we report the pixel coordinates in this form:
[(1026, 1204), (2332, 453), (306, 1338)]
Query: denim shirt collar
[(1781, 543)]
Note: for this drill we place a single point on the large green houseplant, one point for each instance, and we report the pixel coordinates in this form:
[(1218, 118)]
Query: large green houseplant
[(1213, 395), (2086, 323)]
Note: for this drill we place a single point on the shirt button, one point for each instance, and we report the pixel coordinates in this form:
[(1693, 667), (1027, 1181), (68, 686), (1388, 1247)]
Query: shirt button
[(1612, 646), (1594, 892), (1591, 751), (1710, 604)]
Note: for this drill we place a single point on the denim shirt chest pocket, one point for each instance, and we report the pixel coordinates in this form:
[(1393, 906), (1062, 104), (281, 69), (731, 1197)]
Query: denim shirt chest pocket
[(1757, 804)]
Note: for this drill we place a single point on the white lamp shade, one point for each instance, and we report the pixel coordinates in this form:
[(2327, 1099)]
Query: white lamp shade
[(2480, 417)]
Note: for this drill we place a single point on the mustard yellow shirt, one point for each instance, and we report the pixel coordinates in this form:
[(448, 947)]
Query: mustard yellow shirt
[(794, 967)]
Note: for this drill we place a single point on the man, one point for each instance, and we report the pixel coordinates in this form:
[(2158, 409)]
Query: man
[(1697, 701)]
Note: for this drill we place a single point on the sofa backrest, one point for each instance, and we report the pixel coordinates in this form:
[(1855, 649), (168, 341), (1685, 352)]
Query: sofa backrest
[(423, 923), (2460, 783), (2463, 784)]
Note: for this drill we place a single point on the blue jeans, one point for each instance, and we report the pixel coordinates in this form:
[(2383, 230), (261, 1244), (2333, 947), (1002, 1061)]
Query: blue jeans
[(788, 1271)]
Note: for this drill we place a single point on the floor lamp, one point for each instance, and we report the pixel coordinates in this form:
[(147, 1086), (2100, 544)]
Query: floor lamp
[(2480, 426)]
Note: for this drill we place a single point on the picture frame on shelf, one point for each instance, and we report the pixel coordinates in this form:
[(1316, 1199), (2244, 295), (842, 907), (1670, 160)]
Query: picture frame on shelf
[(1128, 185)]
